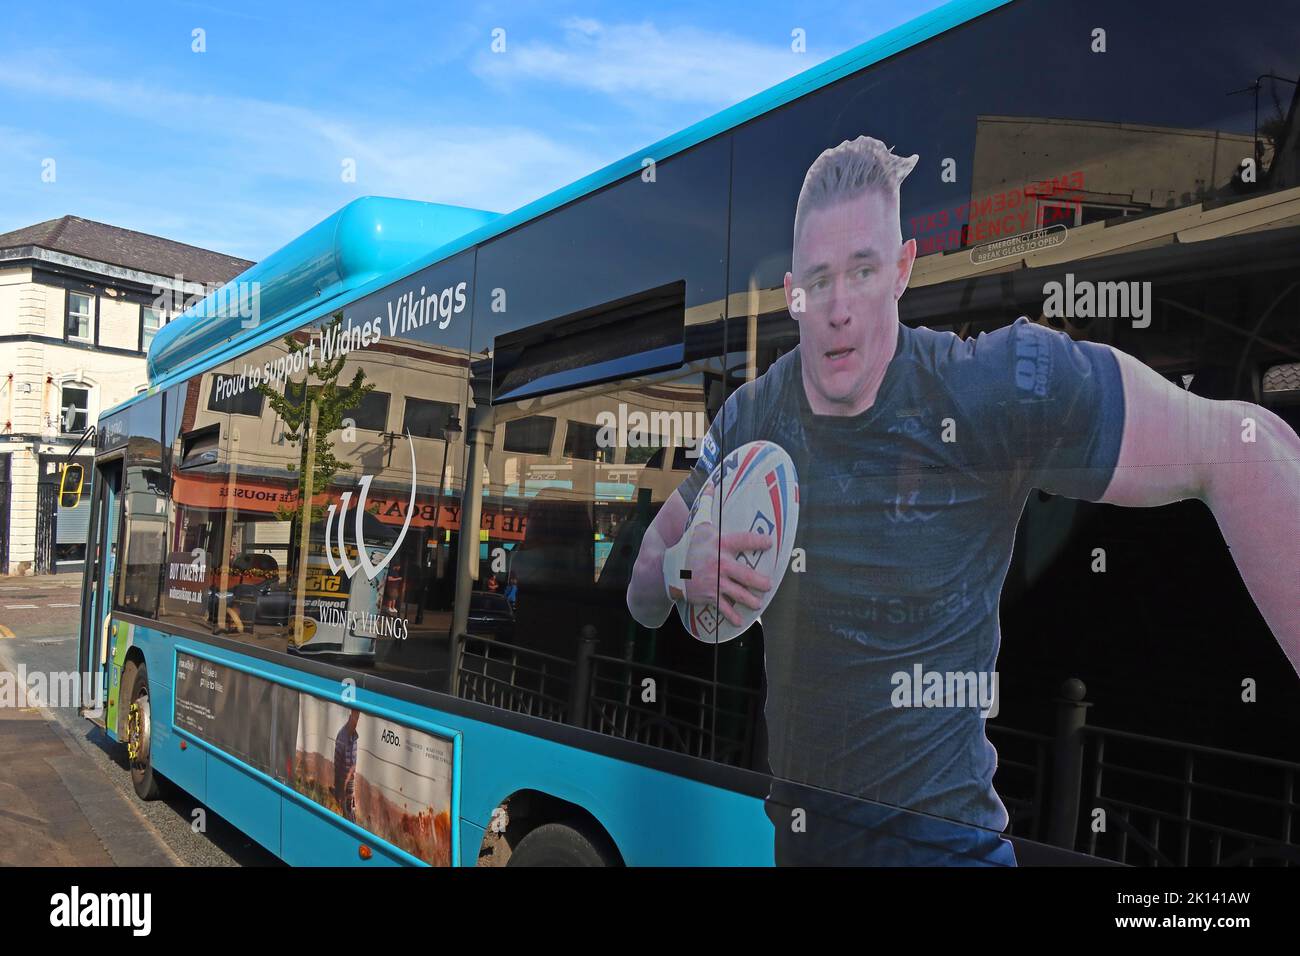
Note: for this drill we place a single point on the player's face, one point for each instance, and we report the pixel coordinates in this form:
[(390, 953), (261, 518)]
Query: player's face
[(851, 267)]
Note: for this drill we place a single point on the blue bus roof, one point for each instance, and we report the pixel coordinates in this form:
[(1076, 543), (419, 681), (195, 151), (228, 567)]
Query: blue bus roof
[(372, 242)]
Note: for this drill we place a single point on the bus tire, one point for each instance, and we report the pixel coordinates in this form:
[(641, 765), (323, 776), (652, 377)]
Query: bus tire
[(563, 844), (139, 733)]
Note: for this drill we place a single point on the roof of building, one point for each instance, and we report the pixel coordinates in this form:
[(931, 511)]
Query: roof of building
[(114, 245)]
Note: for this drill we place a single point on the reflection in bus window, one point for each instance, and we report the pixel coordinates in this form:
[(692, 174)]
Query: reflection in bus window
[(144, 511), (341, 531), (196, 530)]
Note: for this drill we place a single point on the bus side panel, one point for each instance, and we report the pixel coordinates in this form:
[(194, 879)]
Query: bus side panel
[(641, 808), (311, 837), (284, 821), (654, 818), (218, 781), (471, 838), (186, 767), (120, 640), (244, 800), (180, 762)]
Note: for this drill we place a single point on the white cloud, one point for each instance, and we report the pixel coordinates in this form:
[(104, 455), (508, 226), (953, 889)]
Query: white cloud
[(18, 143), (249, 163), (680, 64)]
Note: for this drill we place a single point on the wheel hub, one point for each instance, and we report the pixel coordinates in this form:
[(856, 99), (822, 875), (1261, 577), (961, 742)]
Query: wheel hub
[(138, 730)]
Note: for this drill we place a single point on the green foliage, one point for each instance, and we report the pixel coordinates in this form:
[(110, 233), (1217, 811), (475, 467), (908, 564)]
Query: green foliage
[(331, 402)]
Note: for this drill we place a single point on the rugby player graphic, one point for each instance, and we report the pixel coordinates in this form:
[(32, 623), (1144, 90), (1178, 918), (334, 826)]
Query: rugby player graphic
[(908, 537)]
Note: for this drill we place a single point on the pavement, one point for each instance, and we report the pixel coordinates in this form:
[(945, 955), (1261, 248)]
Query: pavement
[(65, 792), (56, 807)]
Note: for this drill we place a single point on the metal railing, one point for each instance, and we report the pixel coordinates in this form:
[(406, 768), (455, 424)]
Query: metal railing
[(1145, 800), (1161, 802), (664, 708), (1122, 796), (642, 702), (514, 678), (1024, 762)]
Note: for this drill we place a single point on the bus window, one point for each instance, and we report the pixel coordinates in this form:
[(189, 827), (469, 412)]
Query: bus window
[(948, 458), (197, 478), (576, 473), (561, 533), (344, 520), (144, 504)]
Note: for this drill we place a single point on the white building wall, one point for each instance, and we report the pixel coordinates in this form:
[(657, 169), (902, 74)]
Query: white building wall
[(22, 510), (31, 378), (119, 323), (28, 386), (13, 285), (47, 307)]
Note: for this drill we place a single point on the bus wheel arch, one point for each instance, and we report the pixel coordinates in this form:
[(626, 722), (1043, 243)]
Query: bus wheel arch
[(542, 828), (132, 663)]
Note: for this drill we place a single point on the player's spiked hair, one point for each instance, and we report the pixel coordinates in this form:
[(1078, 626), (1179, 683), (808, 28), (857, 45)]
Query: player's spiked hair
[(848, 170)]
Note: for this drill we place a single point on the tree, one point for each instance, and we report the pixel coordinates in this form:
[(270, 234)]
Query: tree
[(328, 402)]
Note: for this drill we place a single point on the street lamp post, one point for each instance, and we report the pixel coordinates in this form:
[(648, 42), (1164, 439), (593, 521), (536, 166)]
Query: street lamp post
[(450, 432)]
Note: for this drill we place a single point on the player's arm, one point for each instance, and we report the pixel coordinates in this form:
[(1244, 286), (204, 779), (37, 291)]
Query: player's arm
[(647, 598), (1240, 459), (712, 569)]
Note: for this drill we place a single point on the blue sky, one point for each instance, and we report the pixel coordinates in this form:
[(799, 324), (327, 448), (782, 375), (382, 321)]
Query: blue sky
[(241, 148)]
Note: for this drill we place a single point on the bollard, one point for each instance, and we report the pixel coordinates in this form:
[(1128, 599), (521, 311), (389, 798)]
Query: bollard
[(579, 691), (1067, 763)]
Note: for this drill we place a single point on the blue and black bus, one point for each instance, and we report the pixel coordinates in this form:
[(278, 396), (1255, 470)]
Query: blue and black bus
[(379, 569)]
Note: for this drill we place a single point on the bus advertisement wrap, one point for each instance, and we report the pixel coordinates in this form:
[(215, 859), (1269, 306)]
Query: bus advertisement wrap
[(386, 778), (915, 451), (918, 472), (249, 718)]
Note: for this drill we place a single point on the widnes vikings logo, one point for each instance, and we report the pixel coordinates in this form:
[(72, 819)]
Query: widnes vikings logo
[(371, 570)]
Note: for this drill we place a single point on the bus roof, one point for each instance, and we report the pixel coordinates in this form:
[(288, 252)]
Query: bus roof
[(372, 242)]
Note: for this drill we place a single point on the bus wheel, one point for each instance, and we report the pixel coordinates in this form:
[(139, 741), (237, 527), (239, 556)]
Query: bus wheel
[(139, 737), (561, 844)]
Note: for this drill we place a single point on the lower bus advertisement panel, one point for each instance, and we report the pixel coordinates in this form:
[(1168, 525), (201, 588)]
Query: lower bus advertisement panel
[(385, 777)]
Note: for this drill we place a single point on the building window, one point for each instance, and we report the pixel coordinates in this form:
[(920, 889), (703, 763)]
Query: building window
[(580, 441), (425, 418), (1097, 212), (74, 409), (529, 436), (371, 414), (81, 316), (1054, 211), (235, 397), (151, 320)]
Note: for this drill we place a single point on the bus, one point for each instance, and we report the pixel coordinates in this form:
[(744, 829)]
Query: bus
[(899, 466)]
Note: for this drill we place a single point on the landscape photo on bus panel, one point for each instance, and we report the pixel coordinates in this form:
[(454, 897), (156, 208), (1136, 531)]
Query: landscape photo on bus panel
[(387, 778)]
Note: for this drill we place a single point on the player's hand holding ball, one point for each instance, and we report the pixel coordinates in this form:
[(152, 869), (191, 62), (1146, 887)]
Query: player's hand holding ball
[(737, 543)]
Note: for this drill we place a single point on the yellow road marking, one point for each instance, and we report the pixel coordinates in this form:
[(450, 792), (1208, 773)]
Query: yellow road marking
[(6, 633)]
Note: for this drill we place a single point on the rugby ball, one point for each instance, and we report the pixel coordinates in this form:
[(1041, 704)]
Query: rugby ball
[(754, 488)]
